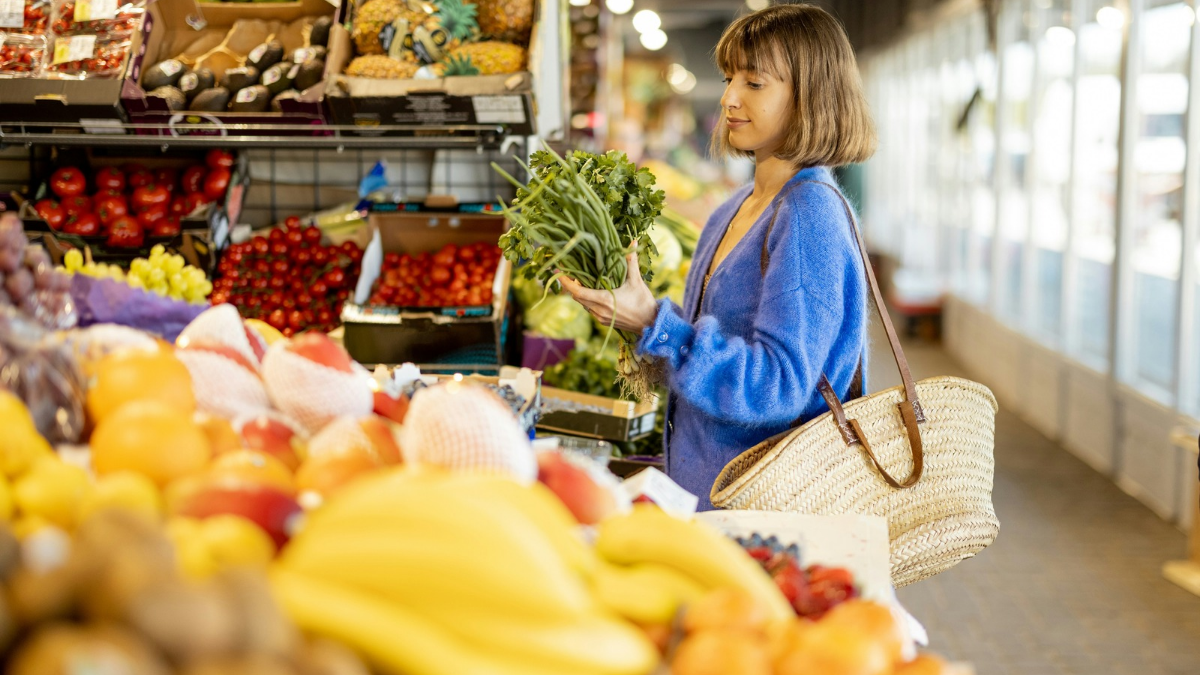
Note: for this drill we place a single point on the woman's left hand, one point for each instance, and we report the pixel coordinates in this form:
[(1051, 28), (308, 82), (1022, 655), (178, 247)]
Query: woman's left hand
[(632, 305)]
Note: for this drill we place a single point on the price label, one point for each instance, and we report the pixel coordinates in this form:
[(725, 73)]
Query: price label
[(77, 48), (499, 109), (12, 13), (95, 10)]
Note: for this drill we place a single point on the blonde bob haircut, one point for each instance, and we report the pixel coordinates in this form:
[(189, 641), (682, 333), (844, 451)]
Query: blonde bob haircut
[(805, 46)]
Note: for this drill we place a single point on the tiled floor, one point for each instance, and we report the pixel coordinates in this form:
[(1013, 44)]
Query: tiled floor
[(1073, 584)]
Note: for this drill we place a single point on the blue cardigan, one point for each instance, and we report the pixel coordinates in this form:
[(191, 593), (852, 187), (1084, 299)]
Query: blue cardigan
[(747, 367)]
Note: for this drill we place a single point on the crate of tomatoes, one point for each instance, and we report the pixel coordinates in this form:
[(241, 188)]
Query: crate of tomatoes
[(432, 291)]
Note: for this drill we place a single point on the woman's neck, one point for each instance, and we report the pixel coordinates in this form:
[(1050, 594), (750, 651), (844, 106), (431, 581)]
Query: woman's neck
[(770, 175)]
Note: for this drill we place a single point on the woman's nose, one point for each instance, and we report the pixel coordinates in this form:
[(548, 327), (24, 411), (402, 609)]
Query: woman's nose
[(729, 99)]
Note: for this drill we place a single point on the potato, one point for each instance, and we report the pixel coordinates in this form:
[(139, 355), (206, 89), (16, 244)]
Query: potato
[(189, 622), (59, 649)]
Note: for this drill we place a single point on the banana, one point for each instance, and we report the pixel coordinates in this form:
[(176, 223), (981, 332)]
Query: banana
[(648, 534), (395, 640), (646, 593)]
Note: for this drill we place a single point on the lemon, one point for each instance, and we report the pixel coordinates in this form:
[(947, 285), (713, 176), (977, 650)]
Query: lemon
[(195, 560), (124, 490), (268, 332), (25, 526), (20, 447), (7, 507), (233, 541), (52, 490)]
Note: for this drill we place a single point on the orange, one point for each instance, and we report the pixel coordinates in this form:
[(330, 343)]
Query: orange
[(831, 649), (221, 436), (325, 474), (872, 620), (151, 438), (128, 376), (721, 652), (725, 608), (255, 468), (923, 665)]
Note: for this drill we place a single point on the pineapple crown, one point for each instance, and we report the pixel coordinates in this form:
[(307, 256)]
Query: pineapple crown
[(458, 18), (459, 64)]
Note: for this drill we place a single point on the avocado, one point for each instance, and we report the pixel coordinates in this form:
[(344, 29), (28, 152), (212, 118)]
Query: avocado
[(253, 99), (211, 100), (279, 76), (265, 55), (306, 54), (197, 81), (289, 94), (237, 79), (310, 73), (319, 36), (164, 74), (175, 98)]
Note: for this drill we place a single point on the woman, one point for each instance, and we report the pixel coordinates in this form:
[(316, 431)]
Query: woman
[(776, 295)]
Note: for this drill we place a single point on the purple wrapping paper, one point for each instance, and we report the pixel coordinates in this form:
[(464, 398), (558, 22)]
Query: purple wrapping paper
[(542, 352), (109, 301)]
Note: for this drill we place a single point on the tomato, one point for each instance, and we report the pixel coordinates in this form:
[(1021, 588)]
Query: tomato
[(179, 206), (111, 208), (76, 205), (165, 227), (193, 178), (280, 267), (320, 256), (292, 222), (294, 238), (68, 182), (194, 201), (150, 195), (445, 257), (466, 254), (277, 319), (216, 183), (151, 215), (439, 275), (218, 159), (110, 178), (279, 248), (83, 225), (138, 177), (51, 212), (334, 278), (303, 257), (167, 177), (312, 235)]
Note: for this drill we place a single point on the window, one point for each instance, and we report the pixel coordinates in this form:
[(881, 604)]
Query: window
[(982, 132), (1015, 144), (1094, 200), (1158, 164)]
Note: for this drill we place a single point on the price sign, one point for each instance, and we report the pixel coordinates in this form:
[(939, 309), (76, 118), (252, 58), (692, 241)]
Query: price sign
[(77, 48)]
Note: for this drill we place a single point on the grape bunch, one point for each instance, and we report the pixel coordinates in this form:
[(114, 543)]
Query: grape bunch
[(29, 282), (162, 273)]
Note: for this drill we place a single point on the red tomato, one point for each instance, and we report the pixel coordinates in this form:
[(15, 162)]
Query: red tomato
[(179, 206), (51, 212), (150, 195), (151, 215), (312, 235), (194, 201), (167, 177), (110, 178), (318, 289), (218, 159), (216, 183), (111, 208), (334, 278), (165, 227), (68, 182), (138, 177), (439, 275), (83, 225), (292, 222), (294, 238), (193, 178), (77, 205)]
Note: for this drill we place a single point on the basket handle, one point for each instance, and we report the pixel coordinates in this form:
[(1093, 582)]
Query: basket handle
[(910, 408)]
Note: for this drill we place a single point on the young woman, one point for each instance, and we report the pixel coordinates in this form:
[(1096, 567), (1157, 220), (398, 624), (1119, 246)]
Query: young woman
[(776, 295)]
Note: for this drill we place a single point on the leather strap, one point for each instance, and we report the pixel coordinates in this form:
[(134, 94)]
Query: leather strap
[(910, 408)]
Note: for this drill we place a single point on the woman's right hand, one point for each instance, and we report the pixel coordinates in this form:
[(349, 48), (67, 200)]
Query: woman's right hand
[(630, 308)]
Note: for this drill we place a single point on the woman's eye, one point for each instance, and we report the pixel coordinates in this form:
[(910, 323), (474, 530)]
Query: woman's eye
[(755, 85)]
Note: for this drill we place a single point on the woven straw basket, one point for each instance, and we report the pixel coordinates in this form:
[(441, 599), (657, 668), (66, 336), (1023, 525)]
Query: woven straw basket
[(946, 517)]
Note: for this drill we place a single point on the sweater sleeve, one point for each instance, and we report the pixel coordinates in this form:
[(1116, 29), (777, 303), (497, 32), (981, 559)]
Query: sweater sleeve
[(768, 378)]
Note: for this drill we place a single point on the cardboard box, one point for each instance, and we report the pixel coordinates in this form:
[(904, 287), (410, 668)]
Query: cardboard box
[(607, 418), (95, 103), (178, 18), (439, 338), (503, 101)]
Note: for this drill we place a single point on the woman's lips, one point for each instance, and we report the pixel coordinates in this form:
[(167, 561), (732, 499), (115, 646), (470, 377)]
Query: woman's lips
[(734, 123)]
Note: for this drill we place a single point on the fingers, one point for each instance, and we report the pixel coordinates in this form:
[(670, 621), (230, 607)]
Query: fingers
[(633, 271), (583, 295)]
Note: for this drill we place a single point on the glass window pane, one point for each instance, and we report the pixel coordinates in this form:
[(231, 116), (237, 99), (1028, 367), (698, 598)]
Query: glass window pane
[(1052, 162), (1158, 161), (1018, 74), (1094, 205), (983, 196)]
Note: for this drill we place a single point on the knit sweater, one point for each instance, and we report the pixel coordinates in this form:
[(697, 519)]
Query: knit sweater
[(744, 366)]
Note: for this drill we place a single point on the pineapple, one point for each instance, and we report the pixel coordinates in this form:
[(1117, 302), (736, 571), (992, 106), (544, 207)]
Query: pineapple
[(458, 20), (491, 58), (375, 15), (506, 20), (380, 67), (456, 65)]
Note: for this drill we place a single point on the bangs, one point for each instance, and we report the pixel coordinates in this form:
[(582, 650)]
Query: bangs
[(750, 44)]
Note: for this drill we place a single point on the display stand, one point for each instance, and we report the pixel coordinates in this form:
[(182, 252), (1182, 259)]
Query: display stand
[(1186, 573)]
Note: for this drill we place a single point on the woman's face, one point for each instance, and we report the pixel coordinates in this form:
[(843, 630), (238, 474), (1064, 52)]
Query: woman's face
[(758, 111)]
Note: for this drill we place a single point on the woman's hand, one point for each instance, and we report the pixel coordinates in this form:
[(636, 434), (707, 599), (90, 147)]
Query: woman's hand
[(632, 305)]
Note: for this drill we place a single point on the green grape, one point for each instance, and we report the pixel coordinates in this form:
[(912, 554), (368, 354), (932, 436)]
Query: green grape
[(173, 264), (73, 260), (156, 277), (158, 251), (140, 267), (176, 282), (135, 282)]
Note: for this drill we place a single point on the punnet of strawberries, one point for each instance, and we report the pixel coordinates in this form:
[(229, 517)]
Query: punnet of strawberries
[(812, 590)]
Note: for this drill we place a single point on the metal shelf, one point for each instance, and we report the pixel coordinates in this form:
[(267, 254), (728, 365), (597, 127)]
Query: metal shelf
[(240, 136)]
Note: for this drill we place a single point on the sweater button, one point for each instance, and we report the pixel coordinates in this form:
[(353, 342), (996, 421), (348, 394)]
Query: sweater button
[(683, 351), (663, 337)]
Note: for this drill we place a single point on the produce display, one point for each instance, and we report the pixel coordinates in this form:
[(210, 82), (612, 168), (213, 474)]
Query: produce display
[(73, 17), (580, 216), (132, 204), (288, 279), (393, 39), (21, 55), (162, 273), (451, 276)]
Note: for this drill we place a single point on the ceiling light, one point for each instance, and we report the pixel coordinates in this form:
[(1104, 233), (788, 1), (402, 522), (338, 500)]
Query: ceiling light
[(676, 74), (654, 40), (1110, 18), (1191, 15), (758, 5), (646, 21), (580, 3), (1060, 36), (619, 6), (686, 85)]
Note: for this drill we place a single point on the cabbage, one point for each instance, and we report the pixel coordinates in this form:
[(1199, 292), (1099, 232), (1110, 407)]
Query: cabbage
[(560, 317), (670, 253)]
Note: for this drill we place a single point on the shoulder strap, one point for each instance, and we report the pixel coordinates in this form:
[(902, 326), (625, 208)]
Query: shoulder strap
[(910, 409)]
